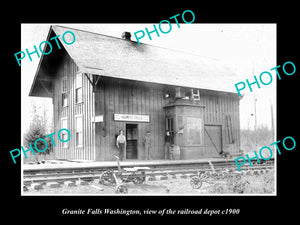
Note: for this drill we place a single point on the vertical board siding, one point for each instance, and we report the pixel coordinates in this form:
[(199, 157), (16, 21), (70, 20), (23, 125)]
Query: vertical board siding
[(117, 96), (72, 110), (126, 97), (217, 106)]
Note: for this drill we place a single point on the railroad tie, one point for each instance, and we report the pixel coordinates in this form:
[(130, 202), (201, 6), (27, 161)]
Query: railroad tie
[(53, 184), (152, 178), (82, 182), (190, 175), (162, 177), (173, 176), (184, 176), (70, 183), (36, 186)]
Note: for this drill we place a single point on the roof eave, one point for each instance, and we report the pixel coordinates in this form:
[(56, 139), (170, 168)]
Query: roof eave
[(31, 92)]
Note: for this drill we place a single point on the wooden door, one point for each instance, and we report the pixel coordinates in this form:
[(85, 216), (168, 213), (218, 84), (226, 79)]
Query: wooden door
[(132, 141), (212, 140)]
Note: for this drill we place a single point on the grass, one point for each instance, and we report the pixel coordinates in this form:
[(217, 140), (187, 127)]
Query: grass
[(246, 184)]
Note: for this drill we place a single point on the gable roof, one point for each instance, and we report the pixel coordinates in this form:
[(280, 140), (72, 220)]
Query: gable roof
[(119, 58)]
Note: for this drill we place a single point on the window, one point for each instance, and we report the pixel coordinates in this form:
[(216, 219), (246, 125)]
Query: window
[(64, 85), (64, 134), (64, 97), (170, 125), (78, 91), (78, 136), (78, 95), (195, 94)]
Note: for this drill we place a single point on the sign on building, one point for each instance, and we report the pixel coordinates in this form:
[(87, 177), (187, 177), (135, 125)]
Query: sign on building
[(131, 117)]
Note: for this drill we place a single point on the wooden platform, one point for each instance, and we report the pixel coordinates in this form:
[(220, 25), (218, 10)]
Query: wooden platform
[(61, 164)]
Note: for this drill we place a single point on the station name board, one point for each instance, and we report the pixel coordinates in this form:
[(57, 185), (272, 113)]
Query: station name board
[(131, 117)]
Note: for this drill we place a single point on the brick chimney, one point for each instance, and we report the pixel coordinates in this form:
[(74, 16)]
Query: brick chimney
[(126, 35)]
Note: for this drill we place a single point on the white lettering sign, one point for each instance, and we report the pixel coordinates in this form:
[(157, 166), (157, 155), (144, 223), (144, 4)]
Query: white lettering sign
[(98, 118), (131, 117)]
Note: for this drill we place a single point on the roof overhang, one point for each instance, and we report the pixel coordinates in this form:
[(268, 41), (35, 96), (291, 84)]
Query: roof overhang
[(47, 69), (124, 59)]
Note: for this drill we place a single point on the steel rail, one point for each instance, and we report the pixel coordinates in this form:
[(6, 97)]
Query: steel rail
[(94, 173)]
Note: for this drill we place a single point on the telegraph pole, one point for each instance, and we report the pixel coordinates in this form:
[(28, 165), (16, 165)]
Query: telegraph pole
[(255, 116), (272, 118), (255, 122)]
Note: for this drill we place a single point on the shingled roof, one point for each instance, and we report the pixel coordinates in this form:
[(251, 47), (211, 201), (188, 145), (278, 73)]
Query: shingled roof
[(124, 59)]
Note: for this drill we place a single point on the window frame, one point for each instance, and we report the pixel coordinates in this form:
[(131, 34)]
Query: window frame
[(79, 132), (64, 88), (78, 88), (64, 99), (170, 125), (64, 144)]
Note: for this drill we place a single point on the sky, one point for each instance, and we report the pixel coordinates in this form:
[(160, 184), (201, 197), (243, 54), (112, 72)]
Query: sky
[(247, 49)]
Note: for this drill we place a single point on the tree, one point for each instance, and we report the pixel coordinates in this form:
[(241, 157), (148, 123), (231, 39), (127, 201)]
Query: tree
[(37, 129)]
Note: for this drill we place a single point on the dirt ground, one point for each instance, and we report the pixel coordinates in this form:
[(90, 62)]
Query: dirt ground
[(248, 184)]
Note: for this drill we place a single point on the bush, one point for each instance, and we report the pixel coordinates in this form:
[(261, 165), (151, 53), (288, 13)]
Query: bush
[(36, 130), (245, 184)]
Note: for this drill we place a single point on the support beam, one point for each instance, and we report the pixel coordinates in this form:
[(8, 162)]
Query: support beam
[(46, 89), (91, 82), (94, 84)]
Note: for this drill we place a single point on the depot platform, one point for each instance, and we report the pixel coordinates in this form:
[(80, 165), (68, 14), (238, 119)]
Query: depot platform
[(64, 164)]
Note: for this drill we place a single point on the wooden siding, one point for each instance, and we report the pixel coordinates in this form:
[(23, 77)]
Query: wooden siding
[(130, 97), (217, 106), (71, 111), (124, 97)]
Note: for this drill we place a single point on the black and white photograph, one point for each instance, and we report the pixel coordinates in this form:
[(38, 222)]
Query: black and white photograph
[(124, 112), (140, 109)]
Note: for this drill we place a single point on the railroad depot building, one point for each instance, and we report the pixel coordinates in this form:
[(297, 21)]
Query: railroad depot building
[(101, 84)]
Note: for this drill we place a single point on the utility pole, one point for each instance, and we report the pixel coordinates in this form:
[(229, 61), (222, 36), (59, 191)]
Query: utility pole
[(248, 126), (255, 122), (272, 117), (255, 116)]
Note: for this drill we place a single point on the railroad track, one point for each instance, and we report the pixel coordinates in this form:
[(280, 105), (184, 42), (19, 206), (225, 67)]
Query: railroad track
[(84, 175)]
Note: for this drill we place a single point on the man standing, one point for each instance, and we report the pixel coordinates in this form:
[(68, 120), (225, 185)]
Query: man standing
[(121, 144), (168, 143), (148, 144)]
